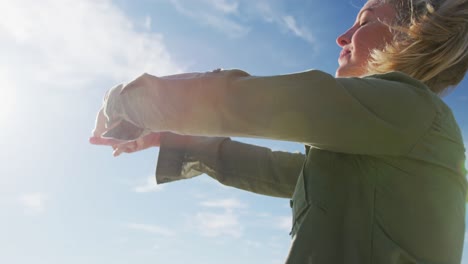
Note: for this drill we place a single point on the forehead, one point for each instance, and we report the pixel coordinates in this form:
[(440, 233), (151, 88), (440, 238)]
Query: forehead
[(372, 4), (380, 9)]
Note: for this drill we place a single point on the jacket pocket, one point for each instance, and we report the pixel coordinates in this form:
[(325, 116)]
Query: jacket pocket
[(299, 204)]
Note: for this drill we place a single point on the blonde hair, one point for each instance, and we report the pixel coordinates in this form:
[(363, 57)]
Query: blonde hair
[(430, 43)]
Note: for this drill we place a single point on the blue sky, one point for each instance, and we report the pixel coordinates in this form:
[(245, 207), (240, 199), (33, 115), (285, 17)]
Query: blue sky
[(65, 201)]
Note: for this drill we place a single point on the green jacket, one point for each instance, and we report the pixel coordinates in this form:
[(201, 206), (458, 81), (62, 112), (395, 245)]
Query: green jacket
[(383, 179)]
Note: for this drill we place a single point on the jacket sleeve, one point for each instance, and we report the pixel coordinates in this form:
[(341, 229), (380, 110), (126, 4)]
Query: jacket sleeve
[(248, 167), (381, 114)]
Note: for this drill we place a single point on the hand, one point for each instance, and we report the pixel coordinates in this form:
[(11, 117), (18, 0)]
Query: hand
[(99, 129), (150, 140), (120, 146), (119, 119)]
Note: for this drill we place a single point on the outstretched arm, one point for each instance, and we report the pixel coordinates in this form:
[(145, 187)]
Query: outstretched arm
[(383, 114), (244, 166)]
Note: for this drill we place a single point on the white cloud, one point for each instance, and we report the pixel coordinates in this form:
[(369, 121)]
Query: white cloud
[(227, 204), (218, 224), (147, 23), (67, 43), (275, 14), (284, 223), (149, 186), (234, 17), (33, 202), (253, 244), (265, 11), (152, 229), (215, 224), (224, 6), (301, 32), (208, 14)]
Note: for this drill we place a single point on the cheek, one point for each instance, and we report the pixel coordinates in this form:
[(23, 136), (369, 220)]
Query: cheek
[(366, 41), (361, 49)]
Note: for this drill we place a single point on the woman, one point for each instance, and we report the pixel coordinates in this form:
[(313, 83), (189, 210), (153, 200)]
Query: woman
[(382, 180)]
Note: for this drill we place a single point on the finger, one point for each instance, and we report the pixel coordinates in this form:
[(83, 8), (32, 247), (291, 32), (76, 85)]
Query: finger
[(104, 141), (128, 147), (131, 147), (98, 141), (117, 152), (120, 149)]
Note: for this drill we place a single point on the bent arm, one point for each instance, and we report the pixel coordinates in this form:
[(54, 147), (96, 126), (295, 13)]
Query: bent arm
[(247, 167)]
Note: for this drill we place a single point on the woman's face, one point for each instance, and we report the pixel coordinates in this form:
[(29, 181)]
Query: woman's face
[(368, 32)]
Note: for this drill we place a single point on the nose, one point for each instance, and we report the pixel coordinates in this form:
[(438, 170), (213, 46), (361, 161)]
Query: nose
[(345, 38)]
